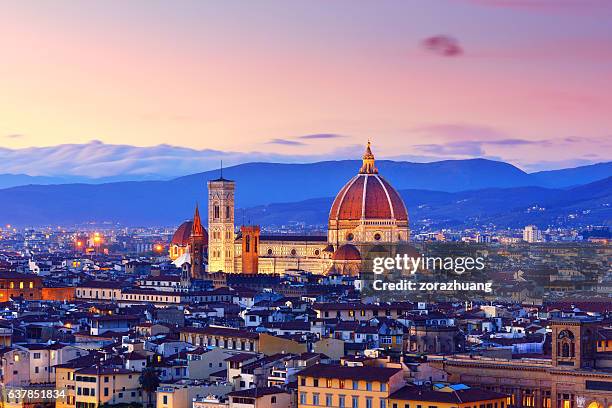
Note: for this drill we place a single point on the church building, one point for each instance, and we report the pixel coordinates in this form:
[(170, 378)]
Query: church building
[(366, 211)]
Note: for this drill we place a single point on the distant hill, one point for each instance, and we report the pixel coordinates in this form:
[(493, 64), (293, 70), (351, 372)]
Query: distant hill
[(574, 176), (428, 187), (505, 207)]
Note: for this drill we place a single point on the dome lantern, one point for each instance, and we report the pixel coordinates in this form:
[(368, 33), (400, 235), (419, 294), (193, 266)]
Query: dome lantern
[(368, 166)]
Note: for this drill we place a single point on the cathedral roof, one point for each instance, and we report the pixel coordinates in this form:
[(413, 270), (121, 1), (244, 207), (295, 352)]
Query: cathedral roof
[(347, 252), (182, 234)]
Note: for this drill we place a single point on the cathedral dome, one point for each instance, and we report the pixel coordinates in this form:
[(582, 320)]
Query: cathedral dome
[(368, 196), (182, 234), (347, 252)]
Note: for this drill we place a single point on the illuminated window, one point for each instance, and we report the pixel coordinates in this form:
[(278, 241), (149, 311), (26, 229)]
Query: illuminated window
[(329, 383), (12, 285), (31, 285), (20, 285), (16, 357)]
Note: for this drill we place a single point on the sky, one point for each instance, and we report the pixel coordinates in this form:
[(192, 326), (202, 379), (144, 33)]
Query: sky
[(528, 82)]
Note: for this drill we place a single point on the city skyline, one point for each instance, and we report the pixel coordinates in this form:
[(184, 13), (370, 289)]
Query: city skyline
[(308, 82)]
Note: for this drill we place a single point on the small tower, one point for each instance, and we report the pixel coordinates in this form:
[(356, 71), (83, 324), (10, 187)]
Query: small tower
[(250, 248), (221, 225), (197, 242), (573, 343)]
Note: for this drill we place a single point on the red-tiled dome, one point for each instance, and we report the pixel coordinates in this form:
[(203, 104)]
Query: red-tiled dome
[(368, 196), (182, 234), (347, 252)]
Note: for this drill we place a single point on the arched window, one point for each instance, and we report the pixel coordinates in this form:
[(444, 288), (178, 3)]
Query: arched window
[(566, 350)]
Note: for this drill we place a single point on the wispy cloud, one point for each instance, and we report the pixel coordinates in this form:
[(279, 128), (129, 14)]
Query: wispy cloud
[(475, 147), (321, 136), (286, 142), (443, 45)]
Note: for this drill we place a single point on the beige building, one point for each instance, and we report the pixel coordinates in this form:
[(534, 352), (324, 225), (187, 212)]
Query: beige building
[(261, 397), (94, 386), (181, 394), (576, 376)]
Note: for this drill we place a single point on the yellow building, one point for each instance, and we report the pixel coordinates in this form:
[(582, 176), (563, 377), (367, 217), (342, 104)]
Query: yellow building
[(94, 386), (347, 387), (447, 396)]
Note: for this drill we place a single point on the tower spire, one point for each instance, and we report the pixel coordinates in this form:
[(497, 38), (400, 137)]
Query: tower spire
[(196, 227), (368, 166)]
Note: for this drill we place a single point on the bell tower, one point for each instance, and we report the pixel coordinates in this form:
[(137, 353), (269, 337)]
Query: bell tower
[(221, 233), (197, 242)]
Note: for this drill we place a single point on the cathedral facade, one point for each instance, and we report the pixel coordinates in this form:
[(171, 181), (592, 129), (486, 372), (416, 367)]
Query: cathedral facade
[(367, 210)]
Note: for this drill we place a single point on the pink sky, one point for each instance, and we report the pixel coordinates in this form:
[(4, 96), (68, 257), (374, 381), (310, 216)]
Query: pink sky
[(523, 81)]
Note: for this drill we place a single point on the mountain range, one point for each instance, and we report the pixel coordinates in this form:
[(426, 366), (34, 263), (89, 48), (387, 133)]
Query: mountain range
[(448, 192)]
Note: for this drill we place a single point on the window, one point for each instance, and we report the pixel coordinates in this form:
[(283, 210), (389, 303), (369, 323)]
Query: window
[(315, 399), (106, 391), (303, 398), (369, 402), (315, 382), (355, 384), (273, 400), (355, 402), (383, 386), (303, 382), (328, 383), (341, 401), (328, 400), (165, 400), (341, 384), (37, 355), (383, 403), (368, 386)]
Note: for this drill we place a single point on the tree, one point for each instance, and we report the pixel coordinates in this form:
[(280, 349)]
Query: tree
[(149, 381)]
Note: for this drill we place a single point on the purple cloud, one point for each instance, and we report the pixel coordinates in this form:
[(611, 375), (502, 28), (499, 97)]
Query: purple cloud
[(286, 142), (443, 45), (474, 147), (465, 148), (321, 136)]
